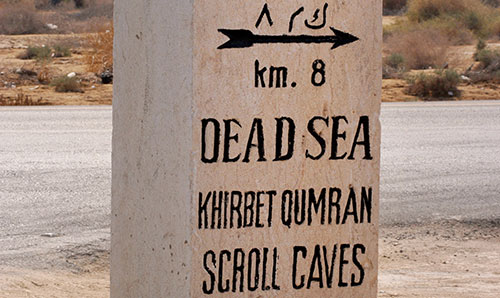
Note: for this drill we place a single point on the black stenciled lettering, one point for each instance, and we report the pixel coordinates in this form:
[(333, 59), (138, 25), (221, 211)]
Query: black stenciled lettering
[(226, 202), (316, 263), (208, 287), (257, 129), (275, 269), (281, 75), (265, 12), (316, 205), (222, 282), (259, 75), (258, 206), (330, 267), (334, 205), (236, 201), (271, 194), (264, 269), (293, 16), (227, 140), (317, 136), (336, 135), (253, 283), (366, 205), (351, 207), (318, 71), (277, 76), (248, 210), (296, 250), (300, 206), (286, 209), (203, 210), (316, 17), (343, 262), (364, 126), (238, 268), (361, 248), (216, 210), (216, 140), (280, 156)]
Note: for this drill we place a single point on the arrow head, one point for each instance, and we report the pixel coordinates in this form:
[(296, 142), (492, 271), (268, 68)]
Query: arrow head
[(342, 38), (239, 38)]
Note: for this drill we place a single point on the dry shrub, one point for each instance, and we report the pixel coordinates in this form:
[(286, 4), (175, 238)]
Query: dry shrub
[(42, 4), (43, 75), (66, 84), (393, 66), (67, 4), (490, 65), (493, 3), (484, 77), (463, 21), (20, 18), (20, 100), (494, 27), (45, 53), (80, 3), (395, 61), (453, 28), (87, 14), (472, 15), (45, 4), (392, 7), (101, 9), (61, 50), (37, 53), (420, 49), (440, 84), (487, 57), (100, 56), (423, 10)]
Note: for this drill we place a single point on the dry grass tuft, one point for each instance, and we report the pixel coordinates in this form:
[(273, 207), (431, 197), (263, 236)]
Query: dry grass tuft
[(66, 84), (440, 84), (100, 56)]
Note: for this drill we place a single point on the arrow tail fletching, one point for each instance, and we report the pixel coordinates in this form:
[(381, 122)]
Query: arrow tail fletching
[(239, 38)]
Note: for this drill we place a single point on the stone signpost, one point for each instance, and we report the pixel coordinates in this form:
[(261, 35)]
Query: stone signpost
[(246, 148)]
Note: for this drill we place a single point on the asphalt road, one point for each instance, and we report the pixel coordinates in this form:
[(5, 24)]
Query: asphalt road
[(55, 180), (439, 161)]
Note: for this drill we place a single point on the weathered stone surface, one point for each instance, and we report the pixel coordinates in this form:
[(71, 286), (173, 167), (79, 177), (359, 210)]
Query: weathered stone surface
[(214, 164)]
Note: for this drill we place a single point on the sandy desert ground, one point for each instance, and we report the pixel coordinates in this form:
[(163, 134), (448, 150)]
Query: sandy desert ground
[(442, 259), (13, 85)]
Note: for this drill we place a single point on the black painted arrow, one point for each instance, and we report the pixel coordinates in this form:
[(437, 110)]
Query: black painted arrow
[(242, 38)]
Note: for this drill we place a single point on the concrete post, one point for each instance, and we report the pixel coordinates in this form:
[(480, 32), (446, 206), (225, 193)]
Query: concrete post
[(246, 148)]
